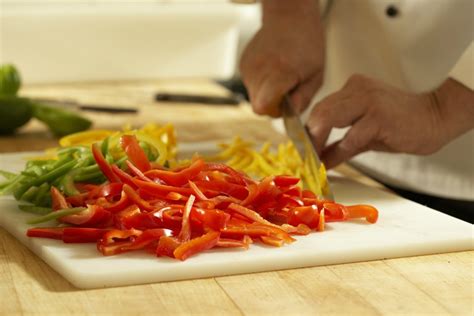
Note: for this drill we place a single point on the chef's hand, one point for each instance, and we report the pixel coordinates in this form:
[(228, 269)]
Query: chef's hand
[(286, 54), (384, 118)]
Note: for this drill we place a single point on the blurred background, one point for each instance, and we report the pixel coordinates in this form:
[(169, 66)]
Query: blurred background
[(95, 40)]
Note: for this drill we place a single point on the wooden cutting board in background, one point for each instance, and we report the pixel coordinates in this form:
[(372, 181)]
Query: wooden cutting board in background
[(404, 229)]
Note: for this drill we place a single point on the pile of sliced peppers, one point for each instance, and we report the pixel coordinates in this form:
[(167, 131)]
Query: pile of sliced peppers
[(179, 212)]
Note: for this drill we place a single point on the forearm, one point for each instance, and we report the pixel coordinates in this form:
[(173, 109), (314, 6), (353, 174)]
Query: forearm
[(455, 103)]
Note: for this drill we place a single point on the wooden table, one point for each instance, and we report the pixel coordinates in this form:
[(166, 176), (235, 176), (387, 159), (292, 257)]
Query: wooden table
[(435, 285)]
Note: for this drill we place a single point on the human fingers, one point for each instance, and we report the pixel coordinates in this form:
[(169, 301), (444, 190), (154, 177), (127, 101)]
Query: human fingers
[(303, 93), (271, 91), (358, 139), (339, 109)]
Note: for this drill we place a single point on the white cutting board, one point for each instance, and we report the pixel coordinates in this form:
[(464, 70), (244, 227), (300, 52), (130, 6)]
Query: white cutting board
[(404, 229)]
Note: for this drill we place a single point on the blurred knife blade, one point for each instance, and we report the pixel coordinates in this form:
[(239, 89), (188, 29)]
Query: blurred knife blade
[(300, 137)]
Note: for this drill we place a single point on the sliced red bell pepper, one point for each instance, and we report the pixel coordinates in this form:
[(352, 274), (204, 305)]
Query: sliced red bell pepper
[(58, 200), (334, 212), (92, 215), (370, 213), (103, 164), (46, 232), (234, 243), (82, 234), (236, 176), (197, 191), (285, 181), (160, 189), (196, 245), (211, 218), (235, 190), (185, 233), (123, 176), (178, 178), (307, 215), (135, 198), (166, 246), (134, 152), (137, 172), (117, 206)]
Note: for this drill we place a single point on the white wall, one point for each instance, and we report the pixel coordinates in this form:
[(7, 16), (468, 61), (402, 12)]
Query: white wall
[(72, 40)]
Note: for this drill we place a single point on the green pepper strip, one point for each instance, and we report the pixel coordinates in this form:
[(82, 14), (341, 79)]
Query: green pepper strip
[(34, 209), (48, 177), (43, 192), (7, 175), (56, 214), (30, 194)]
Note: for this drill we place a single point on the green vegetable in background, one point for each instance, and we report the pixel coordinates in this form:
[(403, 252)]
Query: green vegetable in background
[(60, 122), (14, 113), (10, 81)]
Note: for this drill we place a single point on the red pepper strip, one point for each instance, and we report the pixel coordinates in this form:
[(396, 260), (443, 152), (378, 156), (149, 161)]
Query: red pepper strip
[(235, 190), (211, 218), (370, 213), (58, 200), (123, 176), (294, 192), (335, 212), (146, 238), (234, 243), (134, 152), (139, 220), (252, 215), (82, 234), (258, 191), (301, 229), (137, 172), (135, 198), (289, 201), (195, 245), (285, 181), (309, 194), (307, 215), (103, 164), (114, 206), (255, 230), (321, 222), (114, 240), (178, 178), (166, 246), (92, 215), (107, 190), (197, 191), (272, 241), (172, 217), (159, 189), (77, 200), (185, 233), (46, 232), (236, 176)]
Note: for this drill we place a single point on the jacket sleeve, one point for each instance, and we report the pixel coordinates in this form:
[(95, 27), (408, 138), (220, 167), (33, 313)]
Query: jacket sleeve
[(463, 71)]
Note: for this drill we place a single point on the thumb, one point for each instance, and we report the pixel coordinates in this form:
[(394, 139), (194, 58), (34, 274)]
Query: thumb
[(304, 92), (357, 140)]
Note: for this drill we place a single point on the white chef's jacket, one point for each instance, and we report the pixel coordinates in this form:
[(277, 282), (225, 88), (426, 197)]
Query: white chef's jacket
[(416, 49)]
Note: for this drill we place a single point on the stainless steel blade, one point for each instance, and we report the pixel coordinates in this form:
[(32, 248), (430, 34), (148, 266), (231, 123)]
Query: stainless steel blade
[(300, 137)]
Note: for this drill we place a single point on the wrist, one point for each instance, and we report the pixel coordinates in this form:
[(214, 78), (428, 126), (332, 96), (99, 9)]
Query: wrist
[(455, 105)]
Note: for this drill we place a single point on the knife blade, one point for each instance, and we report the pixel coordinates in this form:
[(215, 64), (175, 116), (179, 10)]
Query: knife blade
[(300, 137)]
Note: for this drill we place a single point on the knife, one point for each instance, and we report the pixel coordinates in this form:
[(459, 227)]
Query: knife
[(300, 137), (87, 107)]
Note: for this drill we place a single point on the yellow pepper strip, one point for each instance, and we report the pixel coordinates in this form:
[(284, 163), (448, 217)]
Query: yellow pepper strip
[(84, 138)]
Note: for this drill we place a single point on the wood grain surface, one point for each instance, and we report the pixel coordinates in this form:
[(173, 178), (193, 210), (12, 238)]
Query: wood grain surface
[(425, 285)]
